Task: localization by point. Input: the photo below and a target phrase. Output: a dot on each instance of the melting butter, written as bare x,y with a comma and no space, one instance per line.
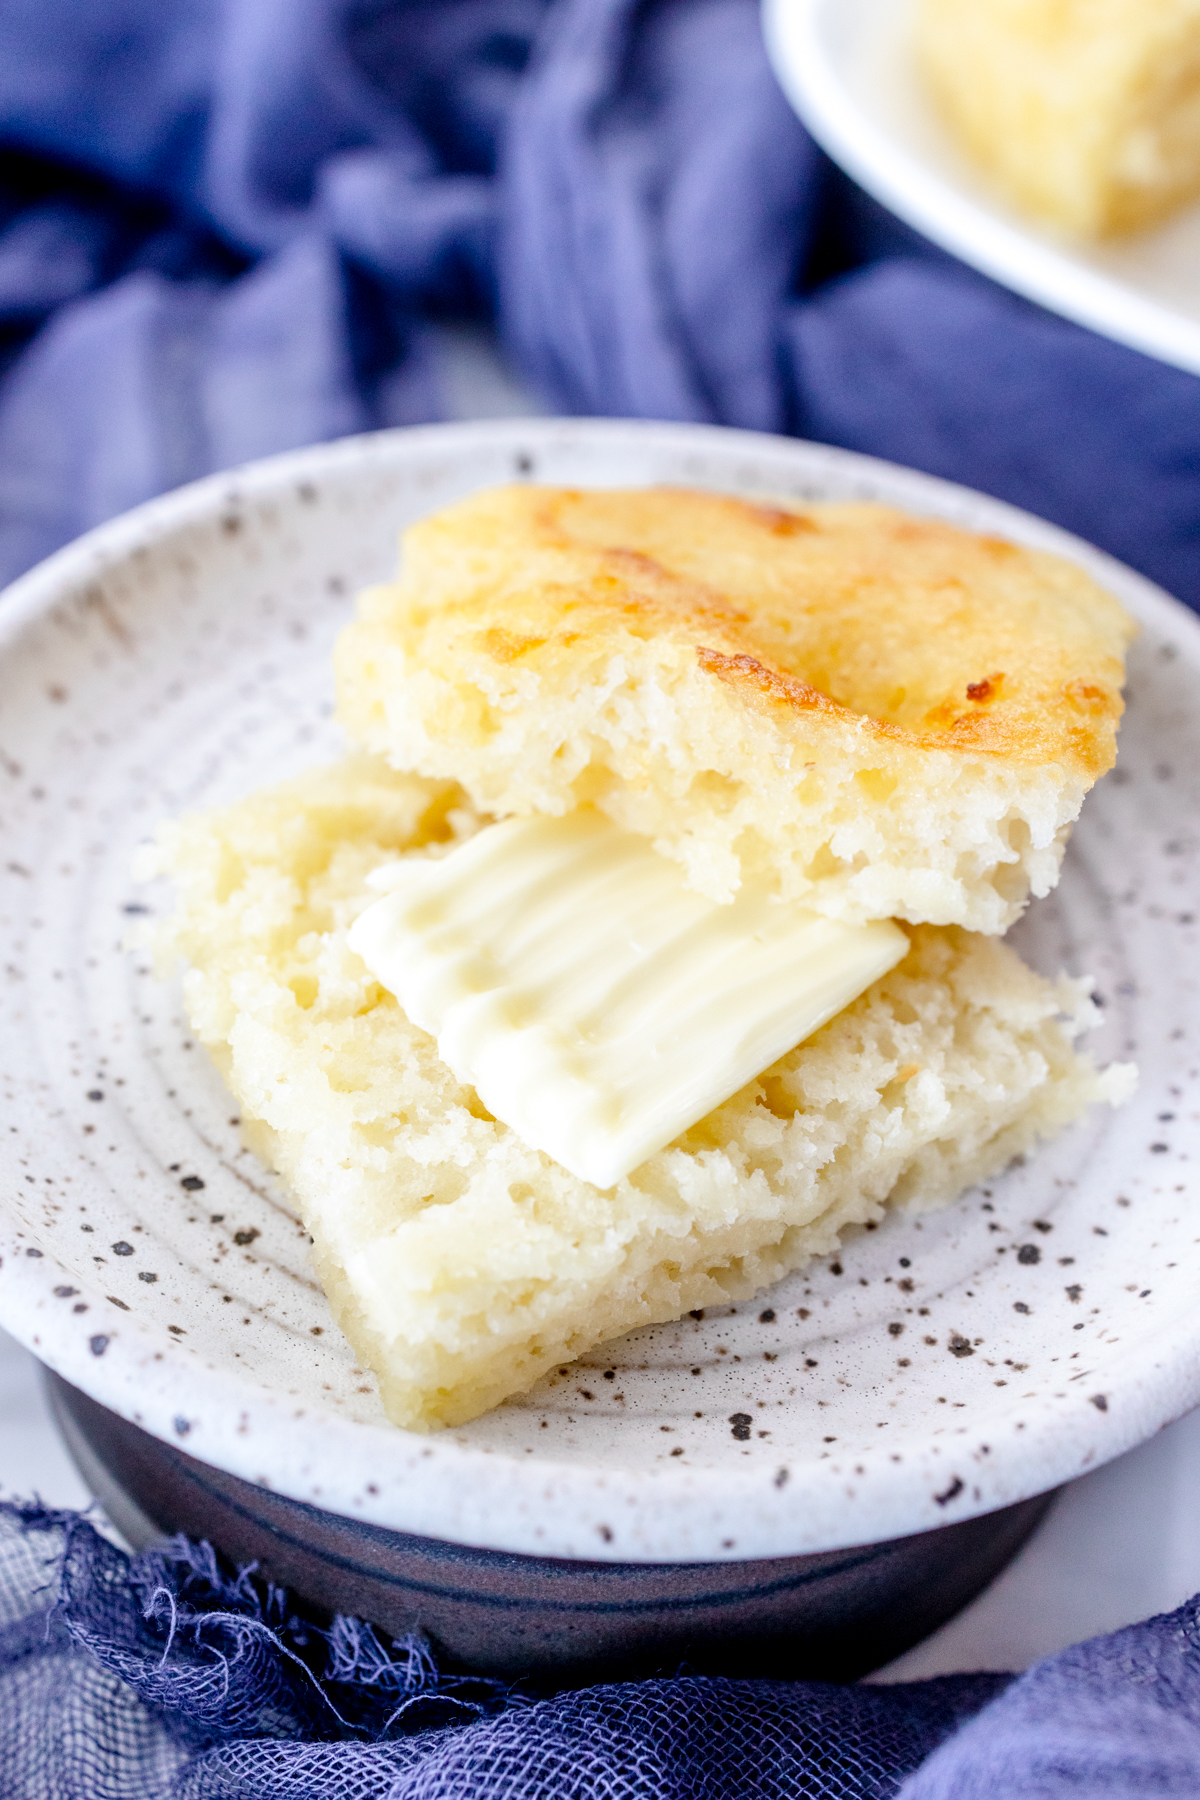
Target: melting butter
595,1004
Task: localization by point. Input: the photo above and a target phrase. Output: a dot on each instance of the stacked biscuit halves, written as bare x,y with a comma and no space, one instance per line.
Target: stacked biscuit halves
880,716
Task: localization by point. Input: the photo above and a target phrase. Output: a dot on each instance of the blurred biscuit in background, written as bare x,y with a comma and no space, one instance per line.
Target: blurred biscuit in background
1087,112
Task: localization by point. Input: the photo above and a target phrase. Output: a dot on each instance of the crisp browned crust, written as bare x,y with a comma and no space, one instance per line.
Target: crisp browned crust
925,634
882,715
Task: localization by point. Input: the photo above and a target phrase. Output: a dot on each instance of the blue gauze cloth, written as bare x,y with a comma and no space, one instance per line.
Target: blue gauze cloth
226,225
167,1678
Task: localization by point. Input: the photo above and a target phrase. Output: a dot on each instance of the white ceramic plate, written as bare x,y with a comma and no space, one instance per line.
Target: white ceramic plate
181,655
848,68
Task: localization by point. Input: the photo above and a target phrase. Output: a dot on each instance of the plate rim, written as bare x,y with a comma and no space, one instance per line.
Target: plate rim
986,237
587,1495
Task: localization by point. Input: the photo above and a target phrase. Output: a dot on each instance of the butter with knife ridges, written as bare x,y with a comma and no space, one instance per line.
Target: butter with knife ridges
595,1003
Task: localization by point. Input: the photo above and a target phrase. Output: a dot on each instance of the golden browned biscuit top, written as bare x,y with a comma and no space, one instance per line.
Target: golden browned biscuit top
883,716
934,636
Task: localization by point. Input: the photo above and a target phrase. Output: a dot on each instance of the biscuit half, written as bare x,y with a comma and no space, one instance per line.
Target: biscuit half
461,1264
883,716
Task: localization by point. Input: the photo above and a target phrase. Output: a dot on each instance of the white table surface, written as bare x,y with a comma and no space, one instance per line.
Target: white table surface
1118,1545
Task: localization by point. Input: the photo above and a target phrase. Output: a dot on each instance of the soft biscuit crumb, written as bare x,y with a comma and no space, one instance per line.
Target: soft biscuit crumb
883,716
463,1265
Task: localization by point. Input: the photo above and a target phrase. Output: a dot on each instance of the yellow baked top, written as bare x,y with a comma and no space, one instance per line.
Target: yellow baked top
896,717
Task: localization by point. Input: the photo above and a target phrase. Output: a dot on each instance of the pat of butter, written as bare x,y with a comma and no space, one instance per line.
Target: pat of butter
595,1004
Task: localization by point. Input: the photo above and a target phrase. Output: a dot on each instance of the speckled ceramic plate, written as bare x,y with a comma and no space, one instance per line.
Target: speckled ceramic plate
938,1368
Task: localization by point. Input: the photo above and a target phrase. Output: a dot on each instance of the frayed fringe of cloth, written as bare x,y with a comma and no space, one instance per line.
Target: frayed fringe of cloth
166,1677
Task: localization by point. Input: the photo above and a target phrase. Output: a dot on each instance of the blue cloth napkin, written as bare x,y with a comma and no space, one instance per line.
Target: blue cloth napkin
226,227
168,1678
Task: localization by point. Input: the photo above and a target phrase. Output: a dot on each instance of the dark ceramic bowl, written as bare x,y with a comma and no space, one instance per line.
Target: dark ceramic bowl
830,1617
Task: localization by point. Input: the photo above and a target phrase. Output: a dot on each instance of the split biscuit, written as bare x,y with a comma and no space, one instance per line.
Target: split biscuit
461,1264
883,716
